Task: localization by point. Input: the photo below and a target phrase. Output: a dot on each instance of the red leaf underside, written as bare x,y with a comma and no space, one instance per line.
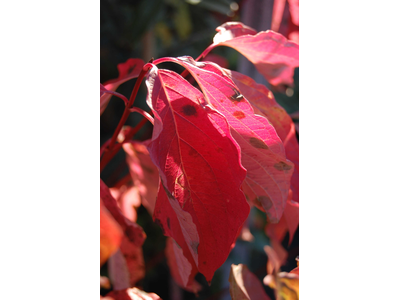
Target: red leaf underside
272,54
200,170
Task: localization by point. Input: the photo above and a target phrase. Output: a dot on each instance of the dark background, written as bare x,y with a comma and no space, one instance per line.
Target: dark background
159,28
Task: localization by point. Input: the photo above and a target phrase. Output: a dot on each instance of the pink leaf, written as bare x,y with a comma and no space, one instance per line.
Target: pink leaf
272,54
127,70
263,154
230,30
200,170
264,103
128,200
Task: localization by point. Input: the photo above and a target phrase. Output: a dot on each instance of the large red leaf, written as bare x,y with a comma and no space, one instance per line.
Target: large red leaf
263,154
200,170
127,70
272,54
264,103
244,285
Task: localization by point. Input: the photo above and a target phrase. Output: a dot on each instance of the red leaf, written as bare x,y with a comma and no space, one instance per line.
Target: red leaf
133,255
132,230
285,19
165,216
264,103
230,30
263,154
110,234
127,70
200,170
272,54
244,285
144,173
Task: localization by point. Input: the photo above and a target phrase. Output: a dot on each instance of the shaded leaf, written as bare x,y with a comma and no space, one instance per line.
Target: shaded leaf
144,173
110,234
180,267
165,216
132,230
263,154
245,285
127,70
199,167
272,54
118,271
133,255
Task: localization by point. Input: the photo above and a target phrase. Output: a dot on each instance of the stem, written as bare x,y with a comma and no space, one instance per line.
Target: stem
106,158
143,113
108,154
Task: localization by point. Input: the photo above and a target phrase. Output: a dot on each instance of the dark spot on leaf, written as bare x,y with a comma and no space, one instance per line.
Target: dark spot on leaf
282,166
257,143
239,114
204,262
131,68
192,152
158,222
236,97
265,202
189,110
168,223
194,245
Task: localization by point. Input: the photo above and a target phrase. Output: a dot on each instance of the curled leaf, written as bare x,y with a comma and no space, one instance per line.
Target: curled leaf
273,55
127,70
